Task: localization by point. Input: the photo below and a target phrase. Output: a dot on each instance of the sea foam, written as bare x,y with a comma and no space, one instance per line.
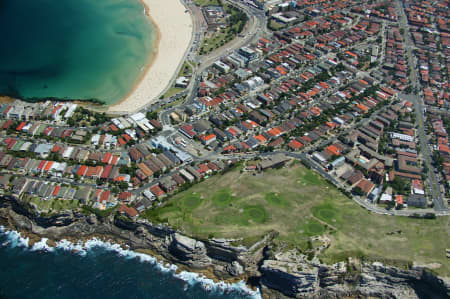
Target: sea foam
14,239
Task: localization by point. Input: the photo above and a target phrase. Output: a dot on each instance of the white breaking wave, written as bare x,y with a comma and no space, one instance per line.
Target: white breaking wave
42,246
14,239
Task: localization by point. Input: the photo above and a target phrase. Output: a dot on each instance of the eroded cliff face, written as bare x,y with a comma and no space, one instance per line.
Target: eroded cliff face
307,280
223,260
277,276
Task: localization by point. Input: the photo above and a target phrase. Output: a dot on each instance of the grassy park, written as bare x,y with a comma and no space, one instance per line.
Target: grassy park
297,203
207,2
186,69
236,21
171,92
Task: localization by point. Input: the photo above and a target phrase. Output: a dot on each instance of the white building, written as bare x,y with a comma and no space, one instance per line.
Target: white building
224,68
253,82
402,137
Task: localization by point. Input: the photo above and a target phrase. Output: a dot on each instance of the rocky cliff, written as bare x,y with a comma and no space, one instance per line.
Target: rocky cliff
276,276
311,280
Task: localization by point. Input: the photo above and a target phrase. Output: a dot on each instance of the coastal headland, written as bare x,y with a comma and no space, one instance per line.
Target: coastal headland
174,26
220,260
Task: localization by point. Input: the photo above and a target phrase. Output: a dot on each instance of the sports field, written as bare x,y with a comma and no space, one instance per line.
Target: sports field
298,203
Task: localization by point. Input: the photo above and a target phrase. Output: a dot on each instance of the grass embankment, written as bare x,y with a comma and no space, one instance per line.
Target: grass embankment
298,204
172,91
54,205
207,2
186,69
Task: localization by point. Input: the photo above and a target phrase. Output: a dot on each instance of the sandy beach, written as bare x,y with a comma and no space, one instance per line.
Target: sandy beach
175,30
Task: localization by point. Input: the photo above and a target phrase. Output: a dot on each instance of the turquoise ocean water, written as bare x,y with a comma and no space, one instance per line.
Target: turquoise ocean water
73,49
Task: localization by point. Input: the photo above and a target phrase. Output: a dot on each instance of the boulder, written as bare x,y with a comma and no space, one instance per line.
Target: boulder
188,251
235,269
91,219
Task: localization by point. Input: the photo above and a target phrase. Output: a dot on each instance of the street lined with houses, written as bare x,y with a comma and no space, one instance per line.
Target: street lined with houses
334,89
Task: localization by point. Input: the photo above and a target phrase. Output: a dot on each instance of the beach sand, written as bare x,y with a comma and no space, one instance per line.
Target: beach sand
175,30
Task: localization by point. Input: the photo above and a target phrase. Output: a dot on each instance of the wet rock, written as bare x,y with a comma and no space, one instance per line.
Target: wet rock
235,269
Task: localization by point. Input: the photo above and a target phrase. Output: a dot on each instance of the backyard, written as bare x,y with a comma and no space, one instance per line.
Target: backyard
54,205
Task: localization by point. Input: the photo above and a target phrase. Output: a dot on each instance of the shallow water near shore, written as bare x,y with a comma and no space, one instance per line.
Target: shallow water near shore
97,269
73,49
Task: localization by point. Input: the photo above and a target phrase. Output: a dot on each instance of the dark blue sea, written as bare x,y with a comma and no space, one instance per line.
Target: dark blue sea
97,270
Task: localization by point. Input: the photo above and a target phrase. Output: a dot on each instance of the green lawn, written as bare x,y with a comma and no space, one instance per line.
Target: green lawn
54,205
172,91
274,25
174,103
298,204
206,2
186,69
217,39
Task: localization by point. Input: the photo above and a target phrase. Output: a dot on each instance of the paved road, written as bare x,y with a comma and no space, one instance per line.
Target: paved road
254,29
361,201
419,109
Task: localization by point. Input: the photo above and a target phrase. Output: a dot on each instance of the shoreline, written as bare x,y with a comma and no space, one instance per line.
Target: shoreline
169,21
218,260
151,61
205,279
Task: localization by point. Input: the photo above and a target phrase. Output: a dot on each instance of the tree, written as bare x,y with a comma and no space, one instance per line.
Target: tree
123,185
400,185
358,191
152,115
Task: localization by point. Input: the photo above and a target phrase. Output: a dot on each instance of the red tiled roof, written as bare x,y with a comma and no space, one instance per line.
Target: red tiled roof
203,168
106,171
333,149
274,132
56,190
48,166
157,191
295,145
260,138
106,158
121,141
229,148
124,195
105,196
207,137
128,210
20,127
114,160
55,149
41,164
82,170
